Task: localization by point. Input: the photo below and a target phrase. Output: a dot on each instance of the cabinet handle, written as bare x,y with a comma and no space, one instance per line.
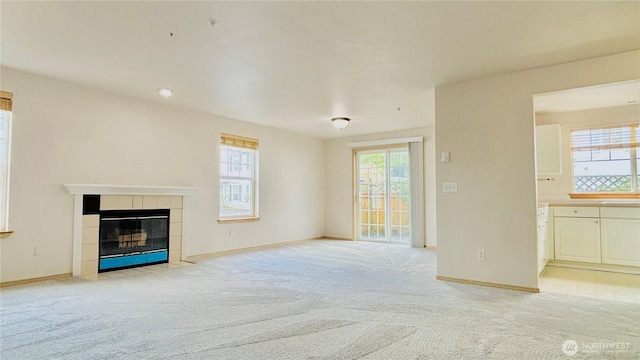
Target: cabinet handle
596,221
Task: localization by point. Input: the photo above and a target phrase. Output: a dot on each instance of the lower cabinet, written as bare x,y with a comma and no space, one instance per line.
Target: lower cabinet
577,239
603,235
621,241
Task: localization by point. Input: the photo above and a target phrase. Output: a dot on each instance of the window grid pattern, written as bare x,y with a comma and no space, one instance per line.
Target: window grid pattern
372,192
384,196
237,182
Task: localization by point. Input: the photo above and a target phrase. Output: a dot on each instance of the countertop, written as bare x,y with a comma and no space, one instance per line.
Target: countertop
610,203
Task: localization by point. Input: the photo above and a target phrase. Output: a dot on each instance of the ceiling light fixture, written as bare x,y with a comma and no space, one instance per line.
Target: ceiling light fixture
340,122
165,92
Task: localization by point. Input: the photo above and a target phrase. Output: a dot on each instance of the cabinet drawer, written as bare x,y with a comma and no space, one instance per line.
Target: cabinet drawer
620,213
577,211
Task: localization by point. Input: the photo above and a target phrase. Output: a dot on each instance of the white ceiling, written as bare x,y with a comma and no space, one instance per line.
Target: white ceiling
297,64
593,97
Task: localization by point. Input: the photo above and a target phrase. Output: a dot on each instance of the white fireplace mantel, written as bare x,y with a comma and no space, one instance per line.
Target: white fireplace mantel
100,189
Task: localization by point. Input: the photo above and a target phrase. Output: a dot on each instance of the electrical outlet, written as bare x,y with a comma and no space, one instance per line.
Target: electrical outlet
482,255
449,187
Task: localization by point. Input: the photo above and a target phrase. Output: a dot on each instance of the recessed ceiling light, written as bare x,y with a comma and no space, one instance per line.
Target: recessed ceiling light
165,92
213,22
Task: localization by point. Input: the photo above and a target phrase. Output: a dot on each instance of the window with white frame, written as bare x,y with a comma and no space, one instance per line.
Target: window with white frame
6,101
238,177
606,160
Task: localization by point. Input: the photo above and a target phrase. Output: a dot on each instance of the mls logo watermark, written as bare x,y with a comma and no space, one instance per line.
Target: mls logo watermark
570,347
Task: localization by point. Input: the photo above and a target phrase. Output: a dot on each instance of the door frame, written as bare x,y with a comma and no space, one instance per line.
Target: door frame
356,194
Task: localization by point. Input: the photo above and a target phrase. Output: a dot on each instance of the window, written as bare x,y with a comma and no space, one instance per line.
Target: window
238,178
6,101
606,160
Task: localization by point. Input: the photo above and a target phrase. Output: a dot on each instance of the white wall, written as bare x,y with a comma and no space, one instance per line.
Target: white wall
339,182
562,185
68,133
487,125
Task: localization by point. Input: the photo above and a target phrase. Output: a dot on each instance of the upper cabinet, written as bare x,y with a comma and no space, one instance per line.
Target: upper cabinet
549,149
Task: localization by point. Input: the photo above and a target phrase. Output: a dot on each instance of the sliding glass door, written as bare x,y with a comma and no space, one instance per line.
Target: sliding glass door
384,193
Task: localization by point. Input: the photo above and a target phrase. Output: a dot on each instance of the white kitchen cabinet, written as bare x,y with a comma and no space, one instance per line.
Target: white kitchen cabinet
620,235
577,211
606,235
577,238
549,238
549,149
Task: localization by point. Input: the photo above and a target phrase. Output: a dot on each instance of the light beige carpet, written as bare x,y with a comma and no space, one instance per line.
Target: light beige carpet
310,300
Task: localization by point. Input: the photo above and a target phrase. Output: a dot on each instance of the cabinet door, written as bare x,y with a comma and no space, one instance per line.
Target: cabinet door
542,258
549,242
621,242
548,149
577,239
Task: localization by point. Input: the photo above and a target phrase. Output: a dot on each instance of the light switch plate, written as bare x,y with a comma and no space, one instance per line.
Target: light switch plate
446,157
449,187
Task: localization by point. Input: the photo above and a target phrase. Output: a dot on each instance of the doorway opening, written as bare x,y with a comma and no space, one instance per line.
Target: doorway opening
383,208
587,178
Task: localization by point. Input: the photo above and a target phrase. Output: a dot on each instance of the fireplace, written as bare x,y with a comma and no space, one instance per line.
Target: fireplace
131,238
94,203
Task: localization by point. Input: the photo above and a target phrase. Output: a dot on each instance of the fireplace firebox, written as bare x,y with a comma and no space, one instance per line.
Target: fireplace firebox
131,238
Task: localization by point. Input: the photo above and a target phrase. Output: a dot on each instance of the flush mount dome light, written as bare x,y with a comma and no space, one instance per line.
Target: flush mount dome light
340,122
165,92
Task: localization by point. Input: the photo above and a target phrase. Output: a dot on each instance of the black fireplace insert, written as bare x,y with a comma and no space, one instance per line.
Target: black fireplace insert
131,238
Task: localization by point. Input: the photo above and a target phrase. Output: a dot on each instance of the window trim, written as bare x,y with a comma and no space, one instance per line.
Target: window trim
6,105
238,220
633,145
248,144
